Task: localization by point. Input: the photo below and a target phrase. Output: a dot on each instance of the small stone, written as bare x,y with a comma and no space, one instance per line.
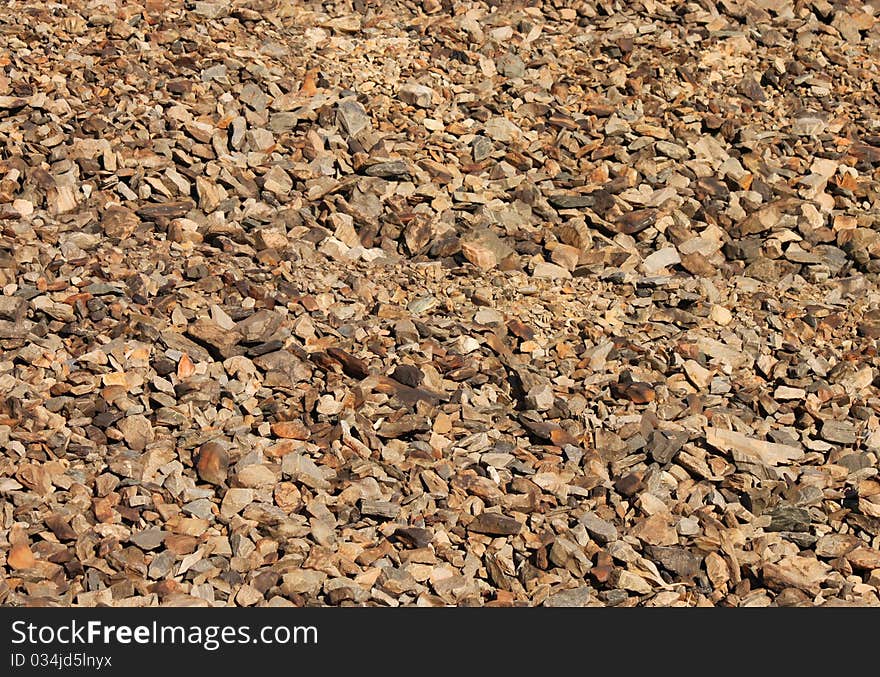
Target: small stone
750,88
277,181
414,537
744,448
789,518
541,397
550,271
384,509
213,463
21,557
13,308
803,573
511,66
602,530
863,558
352,117
302,582
839,432
566,256
787,393
629,484
138,431
485,249
576,597
494,524
677,560
235,500
416,95
836,545
808,126
720,315
697,374
697,264
214,337
290,430
636,392
502,130
255,476
148,539
661,260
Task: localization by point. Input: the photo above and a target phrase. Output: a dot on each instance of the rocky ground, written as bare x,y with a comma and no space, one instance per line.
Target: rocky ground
439,303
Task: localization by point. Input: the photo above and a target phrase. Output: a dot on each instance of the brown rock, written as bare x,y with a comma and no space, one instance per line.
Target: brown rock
213,462
494,524
292,430
21,557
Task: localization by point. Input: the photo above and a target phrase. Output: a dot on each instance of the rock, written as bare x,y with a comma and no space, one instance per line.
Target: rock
750,89
602,530
550,271
384,509
803,573
213,463
744,448
20,557
660,260
634,222
564,201
303,469
720,315
808,126
577,597
259,327
255,476
836,545
303,582
138,431
634,391
511,66
214,337
494,524
863,558
541,397
486,250
13,308
235,500
676,560
149,539
789,518
277,181
697,374
352,117
416,95
291,430
413,537
839,432
502,130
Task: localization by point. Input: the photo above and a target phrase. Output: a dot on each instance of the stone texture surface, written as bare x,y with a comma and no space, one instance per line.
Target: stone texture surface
439,303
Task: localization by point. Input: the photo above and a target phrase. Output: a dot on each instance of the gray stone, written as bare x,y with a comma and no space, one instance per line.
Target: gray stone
576,597
789,518
201,507
677,560
352,117
149,539
839,432
385,509
511,66
598,528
